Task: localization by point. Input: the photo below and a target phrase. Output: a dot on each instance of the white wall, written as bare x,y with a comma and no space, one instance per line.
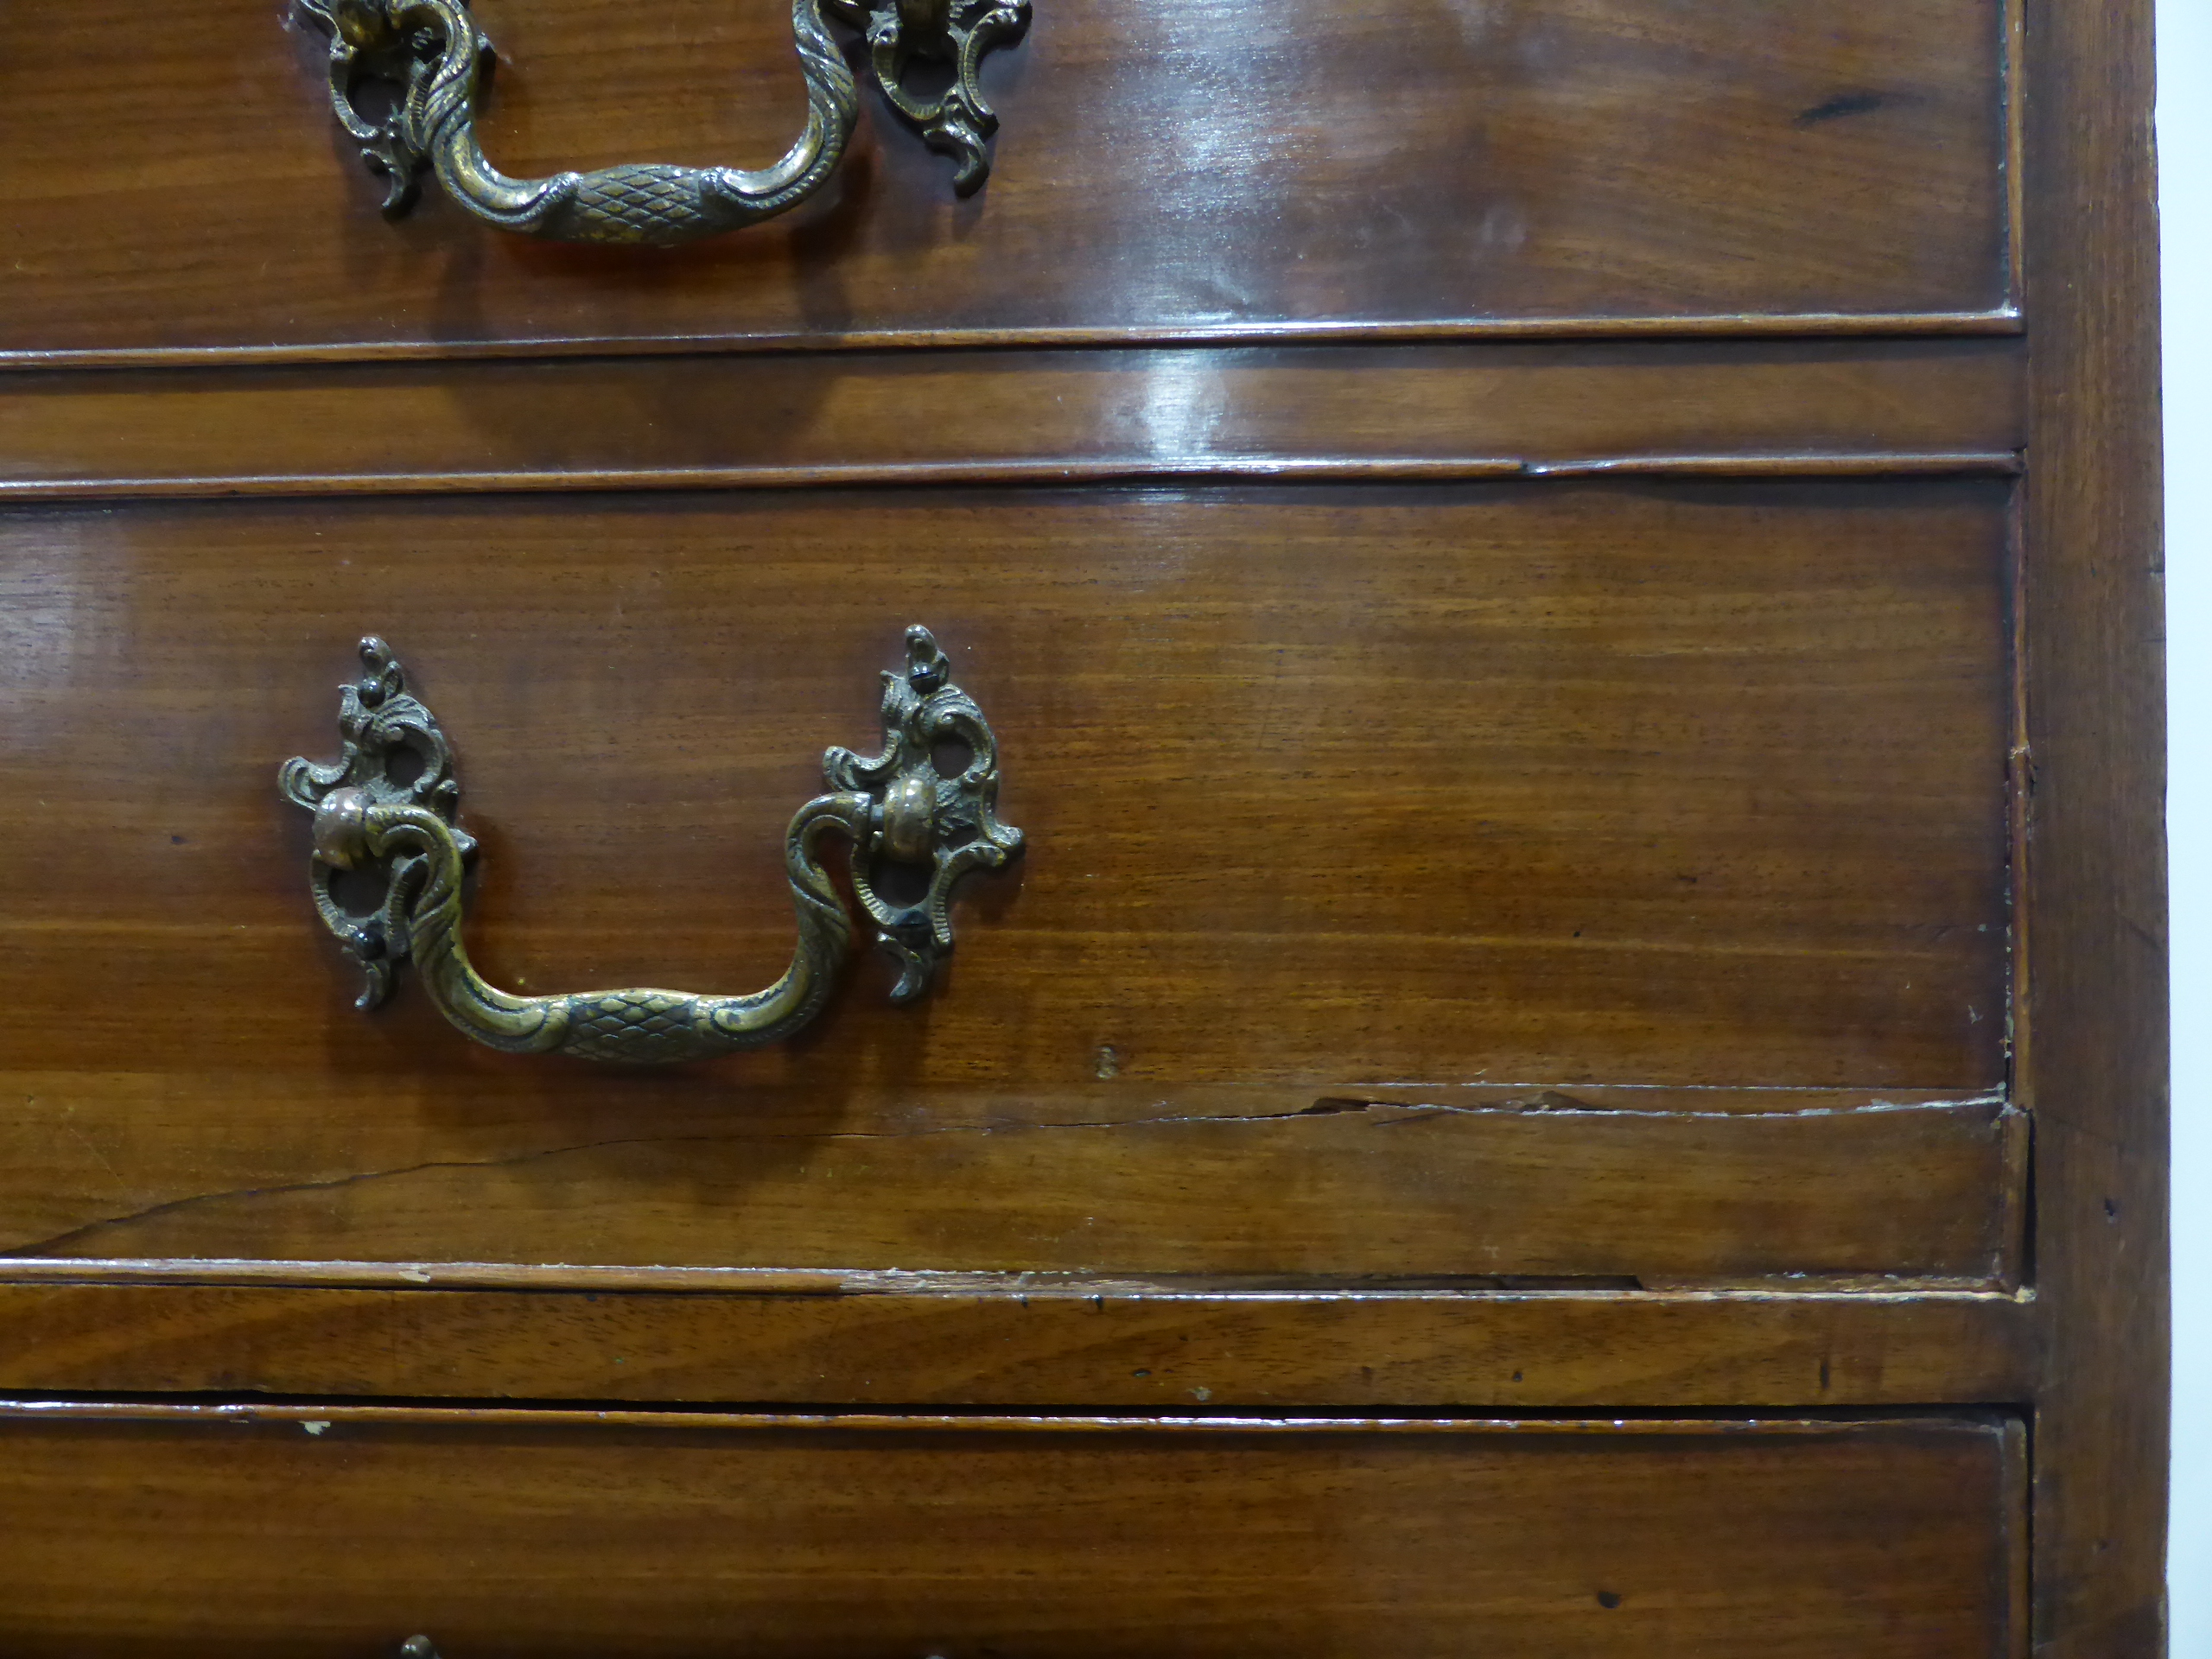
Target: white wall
2185,195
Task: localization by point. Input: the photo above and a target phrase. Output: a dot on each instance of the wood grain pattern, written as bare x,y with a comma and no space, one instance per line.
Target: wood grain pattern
1452,906
1386,1193
2094,961
1587,783
1590,783
847,417
1021,1346
1182,170
245,1533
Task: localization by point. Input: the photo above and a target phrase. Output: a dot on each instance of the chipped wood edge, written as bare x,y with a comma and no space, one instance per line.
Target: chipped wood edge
317,1418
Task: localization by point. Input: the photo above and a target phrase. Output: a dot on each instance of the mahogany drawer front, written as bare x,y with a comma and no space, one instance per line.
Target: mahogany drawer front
308,1531
1161,169
1685,802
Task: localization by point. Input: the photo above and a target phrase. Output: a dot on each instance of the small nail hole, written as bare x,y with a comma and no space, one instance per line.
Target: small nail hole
951,756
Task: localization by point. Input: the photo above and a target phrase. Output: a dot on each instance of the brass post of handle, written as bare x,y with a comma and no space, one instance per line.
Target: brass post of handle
389,803
437,60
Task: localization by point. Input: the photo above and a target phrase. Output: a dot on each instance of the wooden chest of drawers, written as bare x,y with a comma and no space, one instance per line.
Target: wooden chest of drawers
1548,697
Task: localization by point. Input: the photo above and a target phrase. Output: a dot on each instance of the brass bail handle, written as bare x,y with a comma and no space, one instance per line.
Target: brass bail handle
437,60
929,801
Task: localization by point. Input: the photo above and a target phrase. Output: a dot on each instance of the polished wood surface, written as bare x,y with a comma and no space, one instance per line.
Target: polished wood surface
1191,168
1611,783
895,1340
1655,1193
2093,965
1497,937
333,1531
1642,784
1799,409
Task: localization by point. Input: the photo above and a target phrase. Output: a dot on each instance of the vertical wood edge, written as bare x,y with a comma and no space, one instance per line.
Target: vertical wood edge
2095,990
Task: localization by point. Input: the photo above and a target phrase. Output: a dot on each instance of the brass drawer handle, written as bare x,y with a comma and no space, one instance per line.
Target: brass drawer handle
389,802
437,59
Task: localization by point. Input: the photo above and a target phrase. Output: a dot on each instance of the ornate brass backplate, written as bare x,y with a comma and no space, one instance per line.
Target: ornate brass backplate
387,806
956,32
436,60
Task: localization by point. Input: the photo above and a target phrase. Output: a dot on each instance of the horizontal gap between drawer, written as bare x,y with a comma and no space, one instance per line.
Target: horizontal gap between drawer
1958,463
2001,320
1007,1287
320,1414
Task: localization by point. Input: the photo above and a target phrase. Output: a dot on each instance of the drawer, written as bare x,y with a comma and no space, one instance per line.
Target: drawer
1597,882
312,1531
1163,170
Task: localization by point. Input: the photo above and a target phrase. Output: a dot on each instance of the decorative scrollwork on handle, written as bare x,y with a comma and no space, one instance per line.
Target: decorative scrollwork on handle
432,52
955,33
389,802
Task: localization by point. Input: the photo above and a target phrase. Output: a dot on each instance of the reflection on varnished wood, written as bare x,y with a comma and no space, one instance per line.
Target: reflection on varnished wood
1330,789
699,422
1662,784
1188,167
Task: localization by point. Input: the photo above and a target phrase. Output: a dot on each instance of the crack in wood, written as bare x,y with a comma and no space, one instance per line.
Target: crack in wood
1546,1103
